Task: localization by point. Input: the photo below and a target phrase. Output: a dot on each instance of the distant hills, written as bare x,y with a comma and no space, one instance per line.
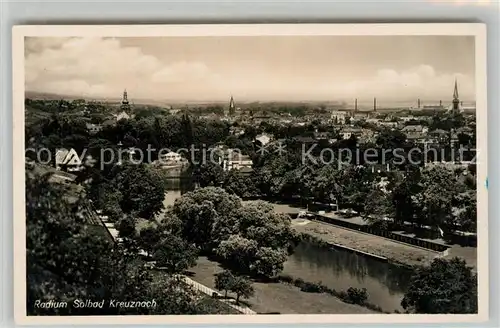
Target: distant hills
362,106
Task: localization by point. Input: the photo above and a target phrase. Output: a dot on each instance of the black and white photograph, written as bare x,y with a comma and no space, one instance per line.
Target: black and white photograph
275,171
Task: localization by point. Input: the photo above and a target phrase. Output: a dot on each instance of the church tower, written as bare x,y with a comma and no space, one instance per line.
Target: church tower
232,108
456,101
125,103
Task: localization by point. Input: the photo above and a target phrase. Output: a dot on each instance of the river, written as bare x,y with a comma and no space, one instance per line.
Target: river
340,269
335,268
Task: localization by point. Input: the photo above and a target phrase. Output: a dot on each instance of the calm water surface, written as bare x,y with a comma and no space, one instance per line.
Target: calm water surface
339,269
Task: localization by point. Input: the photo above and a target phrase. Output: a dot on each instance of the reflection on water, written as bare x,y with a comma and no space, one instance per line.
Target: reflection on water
178,182
339,269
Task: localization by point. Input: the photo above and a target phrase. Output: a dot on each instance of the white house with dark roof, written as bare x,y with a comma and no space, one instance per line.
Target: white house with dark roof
68,159
264,138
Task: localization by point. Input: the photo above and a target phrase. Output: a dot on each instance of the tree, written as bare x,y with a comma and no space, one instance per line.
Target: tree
201,210
142,192
262,240
404,189
210,174
435,199
252,238
148,239
377,206
240,184
175,254
356,184
446,286
126,227
224,281
242,287
69,257
391,139
268,261
238,252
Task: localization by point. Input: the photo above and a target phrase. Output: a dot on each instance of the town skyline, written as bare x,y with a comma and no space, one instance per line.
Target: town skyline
203,69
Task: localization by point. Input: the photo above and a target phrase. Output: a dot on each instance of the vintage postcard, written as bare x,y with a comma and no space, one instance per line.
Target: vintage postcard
289,173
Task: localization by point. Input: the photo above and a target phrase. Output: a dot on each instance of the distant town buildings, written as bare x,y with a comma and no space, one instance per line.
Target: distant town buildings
236,131
231,159
339,117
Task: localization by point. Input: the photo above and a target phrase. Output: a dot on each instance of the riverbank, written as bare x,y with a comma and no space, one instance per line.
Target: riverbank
365,243
280,297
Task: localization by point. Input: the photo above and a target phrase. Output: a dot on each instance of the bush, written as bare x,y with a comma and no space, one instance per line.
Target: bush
352,296
287,279
356,295
310,287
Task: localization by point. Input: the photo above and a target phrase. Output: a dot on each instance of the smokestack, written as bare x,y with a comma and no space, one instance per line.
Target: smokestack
356,105
440,103
374,104
418,103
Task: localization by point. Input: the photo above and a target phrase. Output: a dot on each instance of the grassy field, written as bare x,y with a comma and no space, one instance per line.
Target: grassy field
397,252
279,297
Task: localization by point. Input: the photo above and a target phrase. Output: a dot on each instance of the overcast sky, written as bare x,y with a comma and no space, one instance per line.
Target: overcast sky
391,68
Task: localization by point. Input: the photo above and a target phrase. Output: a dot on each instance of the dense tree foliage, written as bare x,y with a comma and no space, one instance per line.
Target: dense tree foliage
446,286
174,254
71,257
249,237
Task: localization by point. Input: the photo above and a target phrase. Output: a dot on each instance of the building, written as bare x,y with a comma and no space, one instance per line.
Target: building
350,131
236,131
93,128
322,135
416,137
388,124
237,161
264,138
125,106
457,105
232,107
456,100
231,159
415,129
339,117
68,159
122,116
171,157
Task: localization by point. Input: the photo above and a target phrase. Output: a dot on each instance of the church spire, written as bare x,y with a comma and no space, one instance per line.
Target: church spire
231,106
125,97
125,103
456,101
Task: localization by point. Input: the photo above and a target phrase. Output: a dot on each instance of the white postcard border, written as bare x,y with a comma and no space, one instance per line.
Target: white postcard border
20,32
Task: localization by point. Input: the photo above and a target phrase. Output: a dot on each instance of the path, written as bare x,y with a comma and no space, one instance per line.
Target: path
279,297
377,245
210,292
196,285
